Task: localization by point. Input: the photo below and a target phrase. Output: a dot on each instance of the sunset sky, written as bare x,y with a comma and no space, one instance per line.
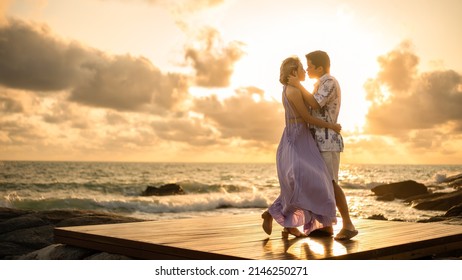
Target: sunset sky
197,80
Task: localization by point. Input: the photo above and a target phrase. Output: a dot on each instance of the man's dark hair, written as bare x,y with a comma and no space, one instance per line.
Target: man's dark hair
319,58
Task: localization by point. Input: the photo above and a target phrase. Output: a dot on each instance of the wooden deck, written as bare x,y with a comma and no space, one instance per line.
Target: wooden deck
241,237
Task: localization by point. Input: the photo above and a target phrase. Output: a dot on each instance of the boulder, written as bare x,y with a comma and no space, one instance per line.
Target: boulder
95,220
9,249
401,190
9,213
168,189
386,197
379,217
27,234
442,203
456,184
57,252
454,211
452,178
107,256
34,237
25,221
423,196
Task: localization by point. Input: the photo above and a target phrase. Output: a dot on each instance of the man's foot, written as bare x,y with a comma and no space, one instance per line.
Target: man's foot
267,222
322,232
346,234
293,231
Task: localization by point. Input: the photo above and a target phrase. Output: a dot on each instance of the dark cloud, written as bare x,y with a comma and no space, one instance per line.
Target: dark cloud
33,59
416,110
213,61
20,133
191,131
115,118
66,115
240,116
129,84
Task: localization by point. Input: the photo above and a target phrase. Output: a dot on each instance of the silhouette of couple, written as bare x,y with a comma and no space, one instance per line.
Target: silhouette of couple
308,155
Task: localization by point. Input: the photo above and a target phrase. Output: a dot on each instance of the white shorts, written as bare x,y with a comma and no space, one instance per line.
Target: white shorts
332,160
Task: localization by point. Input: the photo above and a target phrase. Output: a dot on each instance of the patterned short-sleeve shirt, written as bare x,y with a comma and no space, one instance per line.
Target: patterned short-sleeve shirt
328,95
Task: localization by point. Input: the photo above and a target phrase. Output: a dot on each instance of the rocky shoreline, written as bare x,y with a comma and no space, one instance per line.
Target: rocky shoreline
423,197
28,234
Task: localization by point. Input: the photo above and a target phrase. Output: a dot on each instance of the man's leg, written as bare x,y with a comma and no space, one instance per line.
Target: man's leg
332,160
342,206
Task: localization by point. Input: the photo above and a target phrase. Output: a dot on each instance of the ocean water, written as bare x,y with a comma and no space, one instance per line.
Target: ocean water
211,188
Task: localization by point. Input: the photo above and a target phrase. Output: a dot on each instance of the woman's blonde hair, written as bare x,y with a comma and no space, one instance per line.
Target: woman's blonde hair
288,66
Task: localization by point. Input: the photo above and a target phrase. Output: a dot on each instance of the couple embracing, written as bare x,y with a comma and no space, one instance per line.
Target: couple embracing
308,155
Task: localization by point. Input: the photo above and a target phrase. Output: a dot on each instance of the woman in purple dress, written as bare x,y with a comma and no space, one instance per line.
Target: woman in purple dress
307,195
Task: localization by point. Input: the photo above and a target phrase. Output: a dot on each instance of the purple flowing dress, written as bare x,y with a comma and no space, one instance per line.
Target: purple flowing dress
307,195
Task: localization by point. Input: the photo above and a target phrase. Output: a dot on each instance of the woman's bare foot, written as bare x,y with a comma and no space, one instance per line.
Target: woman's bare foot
293,231
267,222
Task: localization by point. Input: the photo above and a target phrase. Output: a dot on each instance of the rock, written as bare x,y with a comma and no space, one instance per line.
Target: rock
29,234
454,211
380,217
25,221
67,252
95,220
168,189
445,220
386,197
9,249
452,178
401,190
35,237
9,213
107,256
456,184
442,203
57,252
423,196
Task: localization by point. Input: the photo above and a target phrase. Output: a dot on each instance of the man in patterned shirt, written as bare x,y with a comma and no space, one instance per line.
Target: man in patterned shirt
325,104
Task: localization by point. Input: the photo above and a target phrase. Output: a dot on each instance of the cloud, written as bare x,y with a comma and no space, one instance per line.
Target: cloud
4,4
241,116
20,133
421,109
33,59
212,60
9,105
127,83
65,115
192,131
130,104
191,6
398,68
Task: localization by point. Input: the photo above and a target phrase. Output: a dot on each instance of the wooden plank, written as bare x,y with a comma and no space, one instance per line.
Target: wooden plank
241,237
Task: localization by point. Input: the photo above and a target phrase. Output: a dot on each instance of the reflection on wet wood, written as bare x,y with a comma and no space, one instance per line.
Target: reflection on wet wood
241,237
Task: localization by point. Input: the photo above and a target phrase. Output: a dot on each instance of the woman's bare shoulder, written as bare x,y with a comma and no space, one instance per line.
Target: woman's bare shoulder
292,91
